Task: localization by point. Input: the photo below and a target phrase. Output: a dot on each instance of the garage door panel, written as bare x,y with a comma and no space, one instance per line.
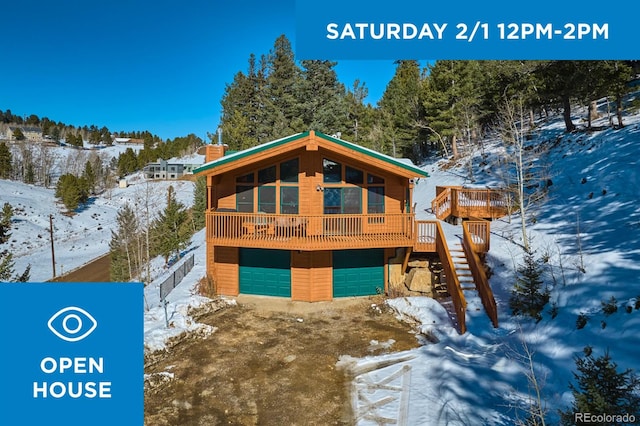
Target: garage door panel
358,272
265,272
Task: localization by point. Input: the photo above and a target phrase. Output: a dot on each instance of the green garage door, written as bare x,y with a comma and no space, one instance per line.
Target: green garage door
358,272
265,272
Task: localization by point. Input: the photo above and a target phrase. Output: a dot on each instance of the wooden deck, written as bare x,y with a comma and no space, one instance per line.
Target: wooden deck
345,231
310,232
459,202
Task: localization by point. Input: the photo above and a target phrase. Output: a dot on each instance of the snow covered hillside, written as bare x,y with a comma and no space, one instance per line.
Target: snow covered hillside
82,237
588,231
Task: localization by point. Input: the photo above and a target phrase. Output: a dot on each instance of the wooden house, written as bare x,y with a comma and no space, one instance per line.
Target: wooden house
309,217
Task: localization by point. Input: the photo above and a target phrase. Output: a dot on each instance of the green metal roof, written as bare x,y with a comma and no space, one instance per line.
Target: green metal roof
265,146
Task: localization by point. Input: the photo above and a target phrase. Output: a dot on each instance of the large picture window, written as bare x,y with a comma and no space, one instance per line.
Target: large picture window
375,199
267,199
244,199
272,189
343,192
289,199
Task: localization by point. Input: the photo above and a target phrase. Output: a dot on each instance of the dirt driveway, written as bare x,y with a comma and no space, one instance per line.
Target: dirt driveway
271,362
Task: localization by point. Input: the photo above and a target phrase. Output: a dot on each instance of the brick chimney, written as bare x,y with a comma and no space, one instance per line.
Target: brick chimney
213,152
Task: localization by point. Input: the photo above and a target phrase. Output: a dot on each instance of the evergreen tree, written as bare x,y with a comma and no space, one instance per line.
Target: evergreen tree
72,191
6,258
90,177
283,81
5,222
122,247
17,133
199,202
29,174
127,162
402,109
6,160
561,82
601,389
528,297
452,101
359,117
321,98
171,229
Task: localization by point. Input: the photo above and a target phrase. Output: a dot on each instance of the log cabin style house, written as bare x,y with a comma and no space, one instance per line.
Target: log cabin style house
308,217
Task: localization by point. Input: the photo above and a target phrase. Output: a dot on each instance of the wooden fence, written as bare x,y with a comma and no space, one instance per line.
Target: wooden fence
471,250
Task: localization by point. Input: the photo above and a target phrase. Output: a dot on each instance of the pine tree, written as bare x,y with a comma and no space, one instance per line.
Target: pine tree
601,389
528,297
403,110
6,258
452,100
72,191
29,174
199,202
5,222
6,160
90,176
170,228
321,98
122,247
283,81
17,133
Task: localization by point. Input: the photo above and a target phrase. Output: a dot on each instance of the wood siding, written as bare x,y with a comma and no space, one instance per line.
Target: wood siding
311,276
226,270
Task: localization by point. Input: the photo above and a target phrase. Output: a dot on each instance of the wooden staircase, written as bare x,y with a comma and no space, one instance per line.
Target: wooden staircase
462,268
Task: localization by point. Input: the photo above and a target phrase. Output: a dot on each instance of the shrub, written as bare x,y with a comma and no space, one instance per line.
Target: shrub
610,307
581,321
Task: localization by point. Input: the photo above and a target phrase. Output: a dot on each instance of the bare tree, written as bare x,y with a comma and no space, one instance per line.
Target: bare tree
525,175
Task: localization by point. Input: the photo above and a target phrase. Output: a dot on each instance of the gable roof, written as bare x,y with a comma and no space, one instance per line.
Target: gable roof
401,166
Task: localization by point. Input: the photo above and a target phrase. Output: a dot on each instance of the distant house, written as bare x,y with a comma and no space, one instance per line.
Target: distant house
129,141
31,133
163,169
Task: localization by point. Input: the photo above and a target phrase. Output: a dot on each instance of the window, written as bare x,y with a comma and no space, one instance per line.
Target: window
354,176
248,178
351,200
267,175
289,199
345,200
267,199
289,171
332,171
375,199
372,179
332,200
244,199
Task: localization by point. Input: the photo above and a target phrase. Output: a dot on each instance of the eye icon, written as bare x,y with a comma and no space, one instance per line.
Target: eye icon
72,324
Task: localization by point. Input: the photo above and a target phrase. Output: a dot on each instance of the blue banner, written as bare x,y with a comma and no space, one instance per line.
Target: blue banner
429,30
72,354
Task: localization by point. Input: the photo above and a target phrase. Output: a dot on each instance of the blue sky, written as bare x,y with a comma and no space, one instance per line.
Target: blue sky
160,66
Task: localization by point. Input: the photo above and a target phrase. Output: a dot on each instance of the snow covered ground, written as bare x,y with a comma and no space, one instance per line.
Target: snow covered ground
589,229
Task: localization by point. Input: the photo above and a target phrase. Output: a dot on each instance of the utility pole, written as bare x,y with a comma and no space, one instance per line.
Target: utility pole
53,253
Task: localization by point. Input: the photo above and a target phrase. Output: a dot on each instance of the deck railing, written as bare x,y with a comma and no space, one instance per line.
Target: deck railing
471,250
425,236
466,203
479,234
310,232
453,283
